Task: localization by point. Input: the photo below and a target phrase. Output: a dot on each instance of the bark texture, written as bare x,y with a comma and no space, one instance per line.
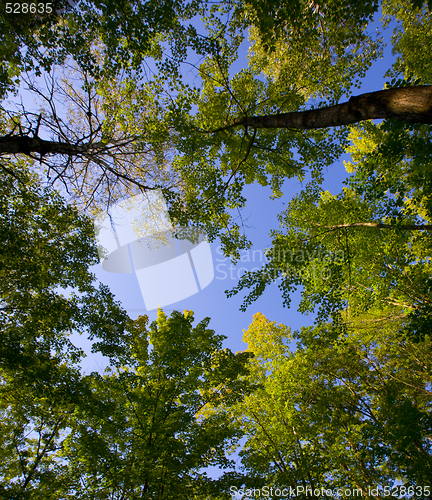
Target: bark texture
410,104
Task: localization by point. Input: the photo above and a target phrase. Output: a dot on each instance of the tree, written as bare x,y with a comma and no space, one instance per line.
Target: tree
367,247
411,104
258,125
47,291
132,131
114,48
110,136
331,38
350,408
147,418
35,417
345,408
96,141
112,154
140,430
130,32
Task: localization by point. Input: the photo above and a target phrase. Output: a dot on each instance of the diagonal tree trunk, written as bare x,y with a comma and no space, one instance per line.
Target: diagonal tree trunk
409,227
410,104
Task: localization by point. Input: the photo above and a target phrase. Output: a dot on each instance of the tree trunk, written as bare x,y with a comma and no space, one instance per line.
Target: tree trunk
409,227
15,144
410,104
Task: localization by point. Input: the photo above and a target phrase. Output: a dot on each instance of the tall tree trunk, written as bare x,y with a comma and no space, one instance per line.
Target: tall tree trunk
411,104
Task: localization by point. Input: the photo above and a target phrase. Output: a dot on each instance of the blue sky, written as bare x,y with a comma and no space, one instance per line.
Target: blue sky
260,216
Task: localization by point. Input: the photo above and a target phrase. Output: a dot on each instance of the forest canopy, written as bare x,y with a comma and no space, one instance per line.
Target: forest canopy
136,96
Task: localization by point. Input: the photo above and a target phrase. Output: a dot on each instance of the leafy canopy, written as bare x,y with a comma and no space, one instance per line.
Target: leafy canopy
349,408
140,430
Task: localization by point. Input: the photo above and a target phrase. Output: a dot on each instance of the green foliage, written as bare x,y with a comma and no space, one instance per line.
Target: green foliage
129,32
150,435
318,65
47,293
35,415
274,18
370,245
411,40
349,408
141,430
46,251
327,250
